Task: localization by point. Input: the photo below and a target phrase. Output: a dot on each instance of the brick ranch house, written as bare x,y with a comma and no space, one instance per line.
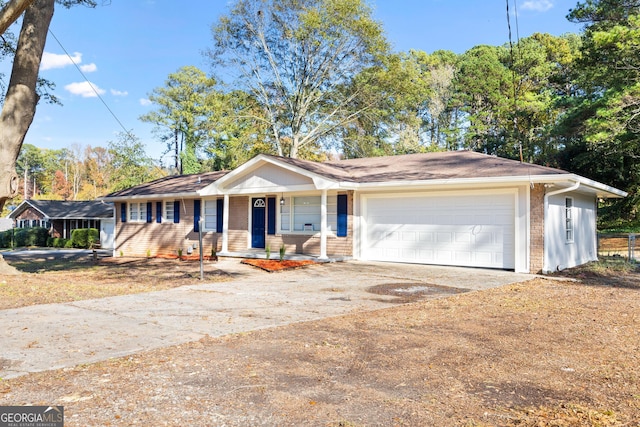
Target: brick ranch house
452,208
62,217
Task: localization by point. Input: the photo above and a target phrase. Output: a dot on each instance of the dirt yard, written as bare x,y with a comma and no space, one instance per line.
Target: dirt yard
548,352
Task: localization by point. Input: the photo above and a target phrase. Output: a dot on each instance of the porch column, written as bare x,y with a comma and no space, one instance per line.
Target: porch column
323,225
225,224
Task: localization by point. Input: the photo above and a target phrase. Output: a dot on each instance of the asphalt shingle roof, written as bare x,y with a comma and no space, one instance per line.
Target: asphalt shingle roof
58,209
175,184
409,167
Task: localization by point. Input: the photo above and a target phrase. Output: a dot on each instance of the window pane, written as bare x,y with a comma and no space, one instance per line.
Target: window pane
210,214
133,211
168,211
143,211
306,213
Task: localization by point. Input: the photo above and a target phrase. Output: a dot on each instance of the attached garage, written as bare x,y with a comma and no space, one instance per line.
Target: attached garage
463,229
456,208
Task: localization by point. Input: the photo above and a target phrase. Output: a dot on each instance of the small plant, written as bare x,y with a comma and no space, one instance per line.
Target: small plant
180,253
148,253
121,253
283,249
268,251
214,255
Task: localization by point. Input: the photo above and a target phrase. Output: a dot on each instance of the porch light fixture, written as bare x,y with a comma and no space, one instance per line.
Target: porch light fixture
281,200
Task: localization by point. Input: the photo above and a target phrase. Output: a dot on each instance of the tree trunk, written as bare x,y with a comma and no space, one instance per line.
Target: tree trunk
20,102
11,12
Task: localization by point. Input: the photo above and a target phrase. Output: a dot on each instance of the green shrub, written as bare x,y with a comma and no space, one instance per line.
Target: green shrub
56,242
79,238
36,236
85,238
6,239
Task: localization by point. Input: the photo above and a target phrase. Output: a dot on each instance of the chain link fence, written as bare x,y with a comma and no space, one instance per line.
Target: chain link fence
621,245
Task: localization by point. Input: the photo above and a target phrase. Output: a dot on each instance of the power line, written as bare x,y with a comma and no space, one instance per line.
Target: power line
513,72
126,131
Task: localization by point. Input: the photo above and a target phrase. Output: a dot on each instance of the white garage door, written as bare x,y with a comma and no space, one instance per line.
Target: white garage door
464,230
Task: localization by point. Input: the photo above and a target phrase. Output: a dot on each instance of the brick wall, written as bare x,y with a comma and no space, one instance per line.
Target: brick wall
142,238
138,238
536,251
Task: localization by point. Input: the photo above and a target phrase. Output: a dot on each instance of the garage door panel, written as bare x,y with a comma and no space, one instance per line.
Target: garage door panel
467,230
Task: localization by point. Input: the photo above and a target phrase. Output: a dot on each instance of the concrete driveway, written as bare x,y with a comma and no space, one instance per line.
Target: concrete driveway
53,336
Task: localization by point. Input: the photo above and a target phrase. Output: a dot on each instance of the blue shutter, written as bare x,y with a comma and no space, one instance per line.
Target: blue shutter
149,212
123,212
196,215
158,212
219,214
271,215
342,215
176,211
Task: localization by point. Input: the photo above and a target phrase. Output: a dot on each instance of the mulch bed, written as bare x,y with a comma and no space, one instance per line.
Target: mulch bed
187,257
276,265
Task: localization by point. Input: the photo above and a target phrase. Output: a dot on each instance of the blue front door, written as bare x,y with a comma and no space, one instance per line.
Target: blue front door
258,214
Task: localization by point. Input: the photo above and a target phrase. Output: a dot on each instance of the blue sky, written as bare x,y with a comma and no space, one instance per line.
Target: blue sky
126,48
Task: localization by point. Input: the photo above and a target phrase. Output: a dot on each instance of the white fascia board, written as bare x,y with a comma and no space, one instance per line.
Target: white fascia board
602,189
320,182
21,209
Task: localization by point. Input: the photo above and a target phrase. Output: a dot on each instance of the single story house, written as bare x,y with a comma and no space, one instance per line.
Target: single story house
456,208
62,217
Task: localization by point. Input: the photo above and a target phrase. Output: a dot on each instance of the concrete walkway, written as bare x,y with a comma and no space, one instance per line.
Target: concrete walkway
52,336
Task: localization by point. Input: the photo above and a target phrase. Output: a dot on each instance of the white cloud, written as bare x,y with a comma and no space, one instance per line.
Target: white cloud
88,68
115,92
144,102
84,89
54,60
537,5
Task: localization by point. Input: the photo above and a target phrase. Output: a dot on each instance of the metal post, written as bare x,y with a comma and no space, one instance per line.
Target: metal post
200,224
632,247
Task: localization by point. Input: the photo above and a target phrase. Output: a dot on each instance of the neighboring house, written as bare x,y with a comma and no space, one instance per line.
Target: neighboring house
453,208
62,217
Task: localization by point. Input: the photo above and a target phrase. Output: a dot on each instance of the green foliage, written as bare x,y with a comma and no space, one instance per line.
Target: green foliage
56,242
297,60
27,237
130,163
283,250
6,239
84,238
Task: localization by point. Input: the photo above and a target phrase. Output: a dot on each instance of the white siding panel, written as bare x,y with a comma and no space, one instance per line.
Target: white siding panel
465,230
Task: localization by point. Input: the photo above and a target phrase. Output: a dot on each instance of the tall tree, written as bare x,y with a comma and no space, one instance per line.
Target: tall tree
182,114
297,58
604,125
131,165
21,98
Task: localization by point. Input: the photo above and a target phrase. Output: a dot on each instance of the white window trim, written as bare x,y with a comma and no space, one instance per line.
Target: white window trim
167,206
332,212
569,220
140,216
203,214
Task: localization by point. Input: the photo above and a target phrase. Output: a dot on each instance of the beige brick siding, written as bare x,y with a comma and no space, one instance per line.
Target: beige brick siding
136,238
238,223
536,257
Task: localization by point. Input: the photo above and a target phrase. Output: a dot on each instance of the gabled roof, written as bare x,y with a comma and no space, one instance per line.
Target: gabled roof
459,168
58,209
422,167
174,186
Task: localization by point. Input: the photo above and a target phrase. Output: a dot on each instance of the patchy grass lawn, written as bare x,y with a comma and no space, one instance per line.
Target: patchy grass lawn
46,280
548,352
